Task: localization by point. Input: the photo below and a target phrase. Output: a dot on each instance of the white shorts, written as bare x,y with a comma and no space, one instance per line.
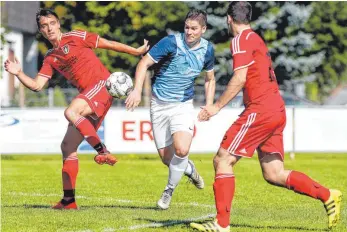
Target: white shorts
170,117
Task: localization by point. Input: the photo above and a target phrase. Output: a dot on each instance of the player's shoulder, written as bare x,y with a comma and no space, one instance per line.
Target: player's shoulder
169,41
49,52
75,34
246,36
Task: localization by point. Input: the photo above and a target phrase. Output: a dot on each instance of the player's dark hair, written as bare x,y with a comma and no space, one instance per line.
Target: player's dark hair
45,13
240,12
198,15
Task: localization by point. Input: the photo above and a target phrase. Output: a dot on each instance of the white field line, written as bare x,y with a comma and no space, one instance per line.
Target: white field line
107,198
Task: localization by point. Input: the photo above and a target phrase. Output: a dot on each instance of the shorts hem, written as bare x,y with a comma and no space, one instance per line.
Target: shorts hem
91,105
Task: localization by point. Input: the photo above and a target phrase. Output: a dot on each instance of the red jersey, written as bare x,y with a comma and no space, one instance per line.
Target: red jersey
75,60
260,92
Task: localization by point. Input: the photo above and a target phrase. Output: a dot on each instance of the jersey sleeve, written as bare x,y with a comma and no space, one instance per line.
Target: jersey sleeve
46,69
90,39
242,51
165,47
209,58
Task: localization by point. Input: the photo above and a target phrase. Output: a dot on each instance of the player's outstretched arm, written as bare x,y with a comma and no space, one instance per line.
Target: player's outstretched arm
235,85
210,87
34,84
119,47
134,98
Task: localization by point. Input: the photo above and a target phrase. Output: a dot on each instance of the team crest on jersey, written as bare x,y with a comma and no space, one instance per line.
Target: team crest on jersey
65,49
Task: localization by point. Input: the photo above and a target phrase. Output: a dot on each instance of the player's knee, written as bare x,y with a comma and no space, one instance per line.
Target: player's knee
67,148
68,113
181,151
271,177
165,161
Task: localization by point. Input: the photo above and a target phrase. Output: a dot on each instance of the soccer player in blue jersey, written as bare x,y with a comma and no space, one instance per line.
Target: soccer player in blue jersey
178,60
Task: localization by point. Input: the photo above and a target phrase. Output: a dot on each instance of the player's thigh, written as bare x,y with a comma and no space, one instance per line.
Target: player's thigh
223,161
182,127
77,108
71,140
97,99
97,121
160,126
273,168
273,145
247,133
181,142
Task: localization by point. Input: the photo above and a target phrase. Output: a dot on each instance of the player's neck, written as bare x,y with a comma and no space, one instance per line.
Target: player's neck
193,44
56,42
239,28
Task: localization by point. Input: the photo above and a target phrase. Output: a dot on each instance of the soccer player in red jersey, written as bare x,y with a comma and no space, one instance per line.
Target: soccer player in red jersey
72,55
260,126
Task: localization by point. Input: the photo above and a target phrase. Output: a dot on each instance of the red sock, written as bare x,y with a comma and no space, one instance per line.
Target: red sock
88,131
224,189
69,173
303,184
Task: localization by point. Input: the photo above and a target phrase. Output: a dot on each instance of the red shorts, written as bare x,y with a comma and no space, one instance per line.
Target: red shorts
262,131
98,99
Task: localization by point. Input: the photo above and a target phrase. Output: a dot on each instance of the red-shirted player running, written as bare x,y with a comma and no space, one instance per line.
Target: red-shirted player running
73,57
260,126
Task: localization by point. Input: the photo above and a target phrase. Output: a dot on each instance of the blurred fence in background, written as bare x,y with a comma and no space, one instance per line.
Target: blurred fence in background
57,97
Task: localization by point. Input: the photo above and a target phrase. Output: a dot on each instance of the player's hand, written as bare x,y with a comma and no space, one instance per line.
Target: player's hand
13,67
133,100
207,112
144,48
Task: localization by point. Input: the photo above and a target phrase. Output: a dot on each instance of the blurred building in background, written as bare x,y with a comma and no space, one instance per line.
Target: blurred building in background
18,27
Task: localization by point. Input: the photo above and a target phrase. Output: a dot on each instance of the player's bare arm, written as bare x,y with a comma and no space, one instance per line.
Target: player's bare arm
134,98
119,47
210,87
235,85
34,84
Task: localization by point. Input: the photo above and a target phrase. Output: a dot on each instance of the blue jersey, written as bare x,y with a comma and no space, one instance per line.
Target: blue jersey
177,66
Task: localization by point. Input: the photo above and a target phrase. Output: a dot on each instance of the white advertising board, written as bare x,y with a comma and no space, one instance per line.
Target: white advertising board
40,131
131,132
32,131
321,130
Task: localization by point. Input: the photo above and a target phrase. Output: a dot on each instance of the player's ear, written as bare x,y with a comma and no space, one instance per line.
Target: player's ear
204,29
229,19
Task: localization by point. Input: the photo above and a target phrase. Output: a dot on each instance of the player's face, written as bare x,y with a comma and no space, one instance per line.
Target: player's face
193,31
50,27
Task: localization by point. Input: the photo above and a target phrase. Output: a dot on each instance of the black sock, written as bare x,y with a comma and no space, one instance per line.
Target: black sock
69,193
65,202
99,147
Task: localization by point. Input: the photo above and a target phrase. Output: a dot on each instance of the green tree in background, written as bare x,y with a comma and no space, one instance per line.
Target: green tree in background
328,25
125,22
307,40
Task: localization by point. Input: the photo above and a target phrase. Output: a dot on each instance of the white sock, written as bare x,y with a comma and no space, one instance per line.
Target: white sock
176,170
189,169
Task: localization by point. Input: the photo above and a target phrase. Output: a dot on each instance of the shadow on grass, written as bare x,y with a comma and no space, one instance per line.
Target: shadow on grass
168,223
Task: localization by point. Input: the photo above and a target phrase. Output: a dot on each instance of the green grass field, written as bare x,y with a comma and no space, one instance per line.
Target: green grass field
123,197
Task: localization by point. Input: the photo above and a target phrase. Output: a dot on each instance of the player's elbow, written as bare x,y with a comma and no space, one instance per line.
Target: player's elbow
36,88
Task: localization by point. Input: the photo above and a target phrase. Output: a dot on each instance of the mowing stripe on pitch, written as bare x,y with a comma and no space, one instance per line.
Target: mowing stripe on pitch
107,198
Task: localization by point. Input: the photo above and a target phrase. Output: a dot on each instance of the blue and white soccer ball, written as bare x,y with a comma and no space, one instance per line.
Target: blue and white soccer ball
119,85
